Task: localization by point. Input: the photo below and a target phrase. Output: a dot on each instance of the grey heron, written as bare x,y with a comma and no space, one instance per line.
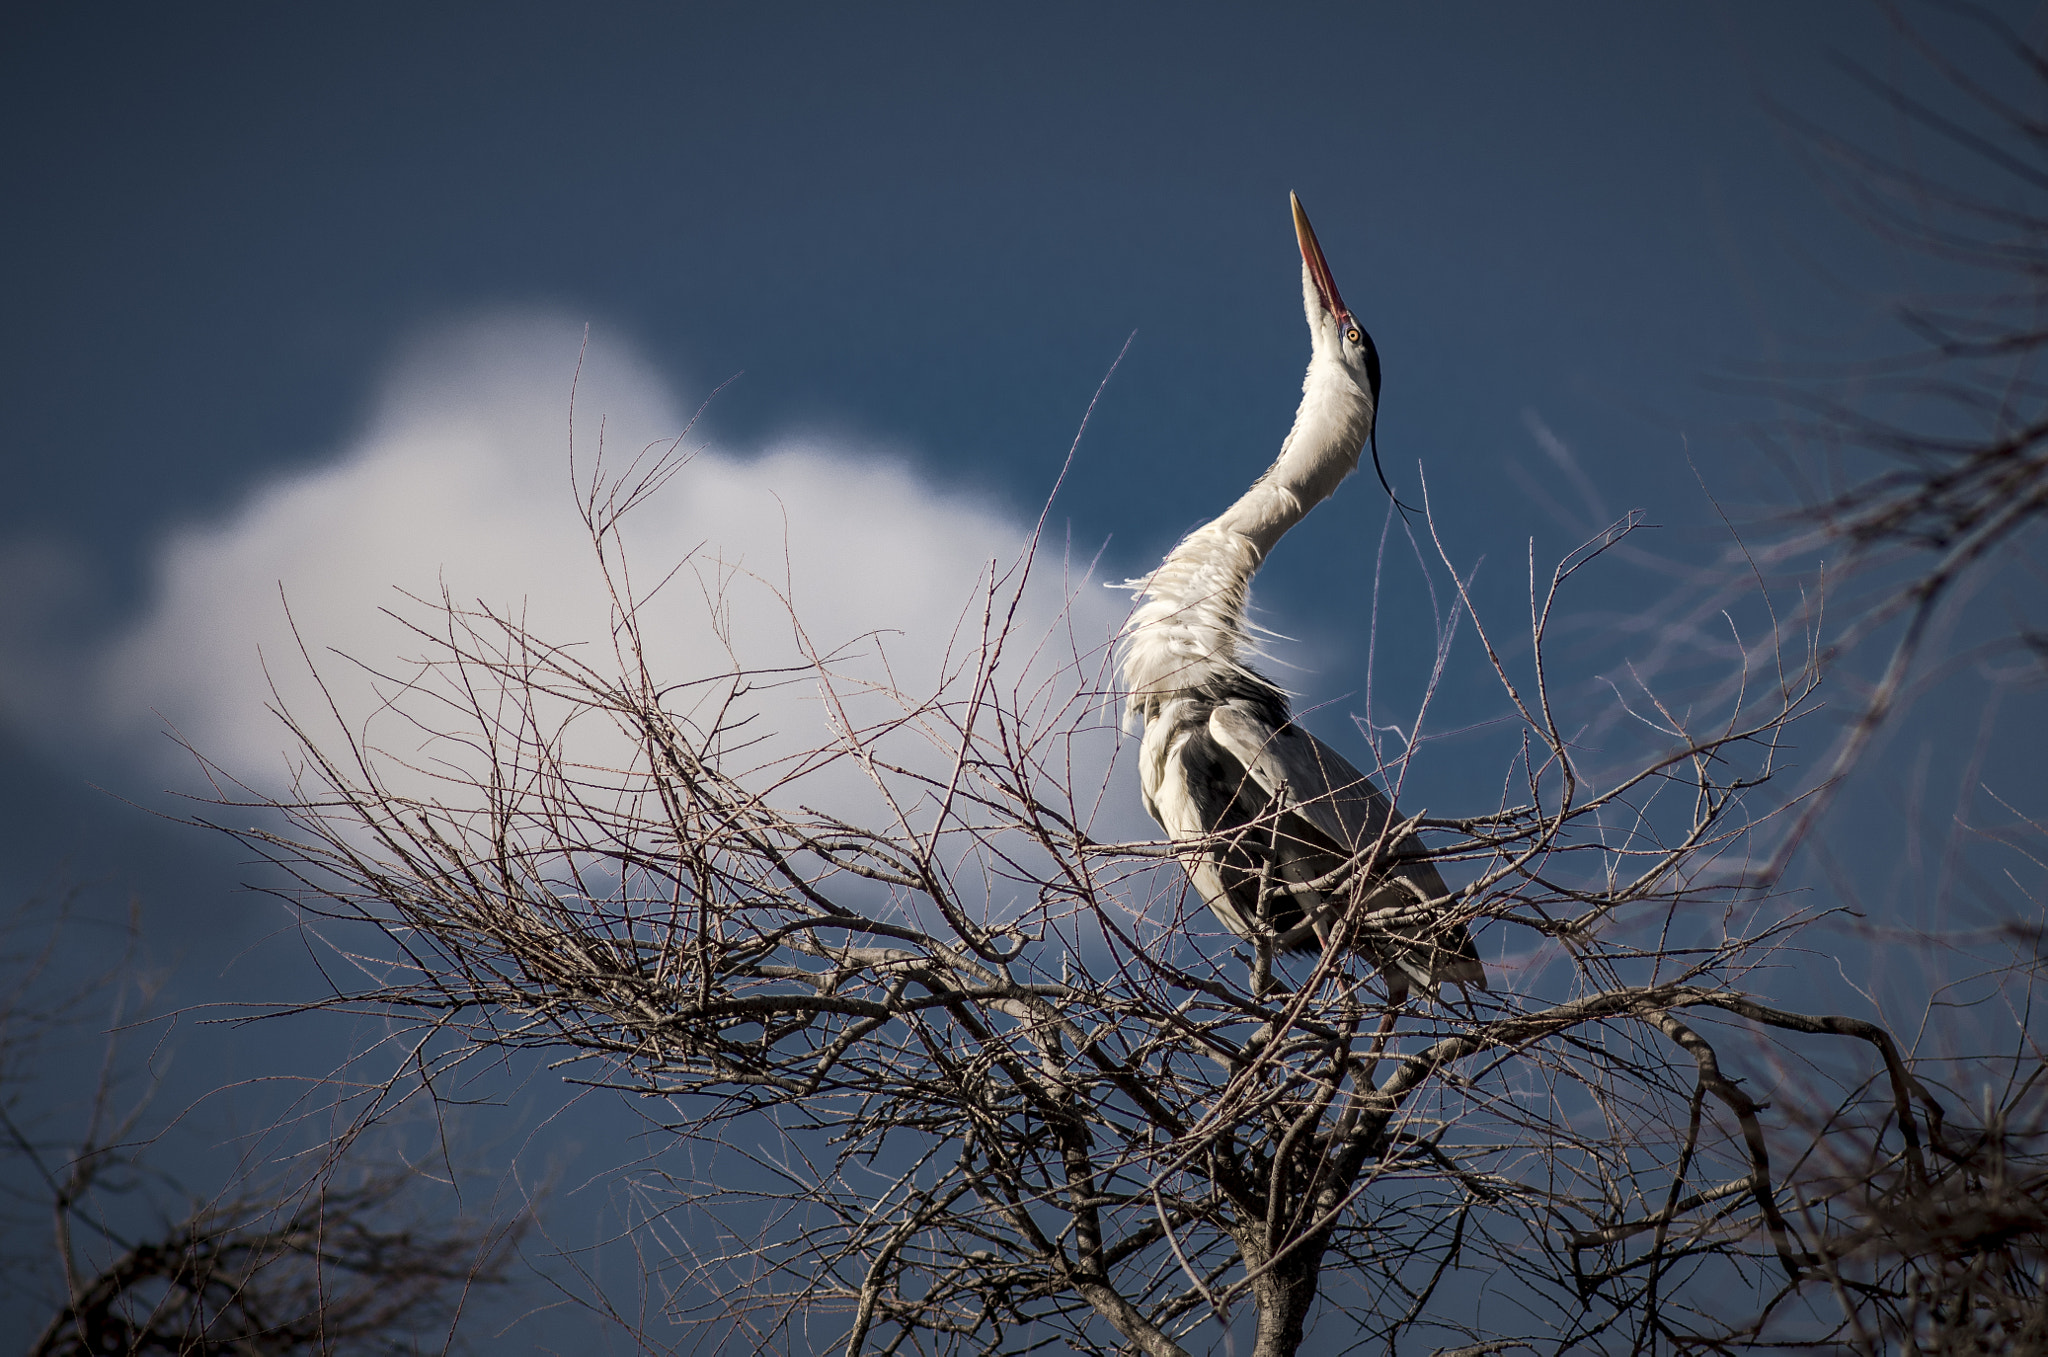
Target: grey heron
1272,816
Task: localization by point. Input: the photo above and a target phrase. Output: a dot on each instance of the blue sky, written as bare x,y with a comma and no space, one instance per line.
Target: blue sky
924,234
253,249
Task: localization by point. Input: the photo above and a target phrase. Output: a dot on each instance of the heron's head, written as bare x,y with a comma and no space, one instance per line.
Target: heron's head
1336,333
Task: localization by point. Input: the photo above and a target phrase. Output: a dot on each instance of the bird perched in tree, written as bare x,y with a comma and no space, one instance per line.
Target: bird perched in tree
1273,816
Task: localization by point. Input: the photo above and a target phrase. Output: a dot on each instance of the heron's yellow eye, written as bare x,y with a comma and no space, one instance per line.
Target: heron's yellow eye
1352,334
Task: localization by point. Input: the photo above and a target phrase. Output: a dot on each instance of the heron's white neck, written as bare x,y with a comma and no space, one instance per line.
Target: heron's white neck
1189,631
1321,449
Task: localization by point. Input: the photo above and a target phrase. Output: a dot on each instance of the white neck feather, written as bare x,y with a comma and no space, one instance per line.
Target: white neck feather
1190,628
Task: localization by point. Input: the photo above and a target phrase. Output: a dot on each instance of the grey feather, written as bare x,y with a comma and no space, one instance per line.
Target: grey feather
1344,817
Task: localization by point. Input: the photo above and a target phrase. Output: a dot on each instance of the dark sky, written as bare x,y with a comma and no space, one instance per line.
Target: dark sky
920,230
934,227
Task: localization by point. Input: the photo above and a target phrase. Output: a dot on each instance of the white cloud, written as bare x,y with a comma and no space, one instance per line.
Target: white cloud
460,479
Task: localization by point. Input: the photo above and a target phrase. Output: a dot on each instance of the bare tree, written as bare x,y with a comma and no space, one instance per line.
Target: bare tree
341,1256
1921,473
283,1269
1925,469
943,1070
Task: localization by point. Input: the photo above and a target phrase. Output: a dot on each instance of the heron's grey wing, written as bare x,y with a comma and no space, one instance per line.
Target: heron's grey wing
1327,791
1314,780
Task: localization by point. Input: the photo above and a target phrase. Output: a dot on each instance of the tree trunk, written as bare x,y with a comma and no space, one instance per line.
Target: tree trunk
1284,1297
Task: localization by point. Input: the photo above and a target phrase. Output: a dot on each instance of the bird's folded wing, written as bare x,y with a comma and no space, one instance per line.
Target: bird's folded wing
1303,774
1319,784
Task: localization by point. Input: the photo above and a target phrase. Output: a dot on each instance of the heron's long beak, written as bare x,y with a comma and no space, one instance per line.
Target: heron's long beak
1318,267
